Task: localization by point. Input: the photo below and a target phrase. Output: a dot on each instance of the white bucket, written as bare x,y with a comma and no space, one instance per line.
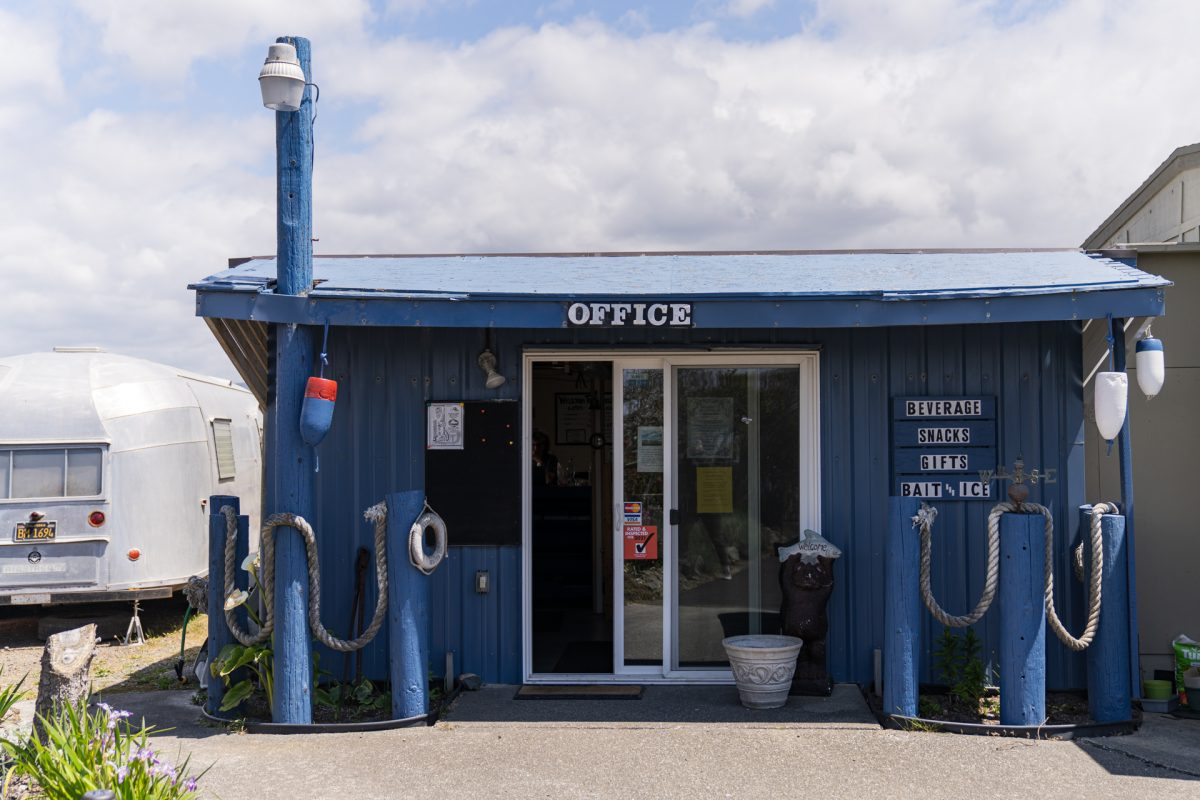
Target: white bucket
763,667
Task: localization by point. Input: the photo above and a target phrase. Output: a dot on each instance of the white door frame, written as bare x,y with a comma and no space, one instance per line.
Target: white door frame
808,362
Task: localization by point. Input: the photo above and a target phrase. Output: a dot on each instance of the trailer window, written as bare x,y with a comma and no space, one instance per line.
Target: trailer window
223,439
51,472
83,472
38,473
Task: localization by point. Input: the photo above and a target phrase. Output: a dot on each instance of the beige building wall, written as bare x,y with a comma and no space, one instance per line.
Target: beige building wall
1165,439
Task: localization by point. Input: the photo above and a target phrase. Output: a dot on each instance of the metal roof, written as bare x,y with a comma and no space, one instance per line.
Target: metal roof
836,289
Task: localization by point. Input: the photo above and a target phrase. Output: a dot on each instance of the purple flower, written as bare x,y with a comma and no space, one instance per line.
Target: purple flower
190,785
105,707
122,772
144,754
163,769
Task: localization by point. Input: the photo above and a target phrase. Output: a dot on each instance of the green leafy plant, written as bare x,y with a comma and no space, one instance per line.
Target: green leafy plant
972,676
956,658
946,657
352,700
928,707
11,695
257,660
81,750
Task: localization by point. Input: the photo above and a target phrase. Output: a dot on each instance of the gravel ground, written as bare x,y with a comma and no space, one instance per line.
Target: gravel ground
116,668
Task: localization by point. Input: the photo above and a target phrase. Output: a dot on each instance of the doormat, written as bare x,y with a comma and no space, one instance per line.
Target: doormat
601,691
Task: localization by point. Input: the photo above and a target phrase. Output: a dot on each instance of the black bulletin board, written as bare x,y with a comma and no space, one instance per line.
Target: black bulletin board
477,490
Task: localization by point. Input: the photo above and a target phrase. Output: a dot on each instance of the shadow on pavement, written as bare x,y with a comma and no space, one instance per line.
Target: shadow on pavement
1163,743
663,704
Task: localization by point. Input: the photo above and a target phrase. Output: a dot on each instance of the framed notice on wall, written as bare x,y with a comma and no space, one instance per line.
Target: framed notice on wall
573,418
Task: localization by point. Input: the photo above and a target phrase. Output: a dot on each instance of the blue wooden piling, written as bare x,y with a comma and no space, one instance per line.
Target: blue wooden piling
288,485
1109,689
1125,454
902,609
1022,602
408,611
218,631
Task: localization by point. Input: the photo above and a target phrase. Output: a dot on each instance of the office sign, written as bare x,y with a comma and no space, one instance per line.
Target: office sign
629,315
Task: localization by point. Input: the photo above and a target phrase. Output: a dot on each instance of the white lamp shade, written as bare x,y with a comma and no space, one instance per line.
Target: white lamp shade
1111,399
1151,367
281,79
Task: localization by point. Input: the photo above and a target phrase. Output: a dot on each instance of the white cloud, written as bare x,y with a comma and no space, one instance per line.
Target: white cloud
161,40
747,8
28,59
952,130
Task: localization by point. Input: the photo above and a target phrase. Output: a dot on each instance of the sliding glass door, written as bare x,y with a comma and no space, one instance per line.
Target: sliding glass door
714,467
717,469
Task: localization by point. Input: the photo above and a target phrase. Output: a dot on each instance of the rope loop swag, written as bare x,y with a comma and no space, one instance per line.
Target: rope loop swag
924,520
376,514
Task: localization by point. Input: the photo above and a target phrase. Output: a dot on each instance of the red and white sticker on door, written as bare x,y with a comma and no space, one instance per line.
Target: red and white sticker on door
641,542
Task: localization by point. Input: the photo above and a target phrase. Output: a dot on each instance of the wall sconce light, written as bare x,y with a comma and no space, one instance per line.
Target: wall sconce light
487,362
281,80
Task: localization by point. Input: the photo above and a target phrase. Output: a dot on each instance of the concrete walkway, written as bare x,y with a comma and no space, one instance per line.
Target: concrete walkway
684,742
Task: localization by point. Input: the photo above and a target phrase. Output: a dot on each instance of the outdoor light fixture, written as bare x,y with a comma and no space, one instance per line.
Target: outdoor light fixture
1151,369
1111,398
487,362
281,79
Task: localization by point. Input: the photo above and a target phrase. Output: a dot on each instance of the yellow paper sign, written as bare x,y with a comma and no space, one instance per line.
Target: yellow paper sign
714,490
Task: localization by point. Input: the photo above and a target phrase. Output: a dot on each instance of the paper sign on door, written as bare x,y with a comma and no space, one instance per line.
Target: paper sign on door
641,542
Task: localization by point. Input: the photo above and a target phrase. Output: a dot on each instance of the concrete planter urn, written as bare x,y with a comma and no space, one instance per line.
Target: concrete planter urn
763,666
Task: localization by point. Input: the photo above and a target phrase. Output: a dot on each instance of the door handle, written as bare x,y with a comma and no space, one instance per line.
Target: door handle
673,516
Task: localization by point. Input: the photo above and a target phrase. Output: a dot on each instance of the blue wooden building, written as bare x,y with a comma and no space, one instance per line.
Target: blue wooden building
666,422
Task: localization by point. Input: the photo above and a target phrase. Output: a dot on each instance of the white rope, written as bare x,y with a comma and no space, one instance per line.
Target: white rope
1093,620
924,521
376,514
266,583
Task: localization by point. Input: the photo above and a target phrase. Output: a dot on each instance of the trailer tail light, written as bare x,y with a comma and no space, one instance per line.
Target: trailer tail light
96,519
134,554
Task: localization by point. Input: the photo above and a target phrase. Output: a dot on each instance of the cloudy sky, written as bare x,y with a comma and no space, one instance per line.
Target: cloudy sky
136,155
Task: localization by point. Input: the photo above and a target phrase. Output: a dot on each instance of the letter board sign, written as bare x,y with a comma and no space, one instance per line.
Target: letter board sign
940,445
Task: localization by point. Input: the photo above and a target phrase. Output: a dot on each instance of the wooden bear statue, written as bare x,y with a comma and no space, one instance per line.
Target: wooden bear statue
806,578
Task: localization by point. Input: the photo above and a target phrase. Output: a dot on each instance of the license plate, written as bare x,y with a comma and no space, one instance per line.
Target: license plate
35,531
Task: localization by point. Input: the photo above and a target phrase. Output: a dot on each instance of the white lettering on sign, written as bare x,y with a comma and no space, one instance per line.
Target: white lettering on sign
620,315
943,436
943,408
944,463
974,489
920,489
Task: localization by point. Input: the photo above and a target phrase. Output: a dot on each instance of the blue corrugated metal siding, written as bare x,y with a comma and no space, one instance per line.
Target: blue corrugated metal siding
482,630
377,445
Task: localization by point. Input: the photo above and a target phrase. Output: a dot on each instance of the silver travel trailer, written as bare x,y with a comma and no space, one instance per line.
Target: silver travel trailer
106,466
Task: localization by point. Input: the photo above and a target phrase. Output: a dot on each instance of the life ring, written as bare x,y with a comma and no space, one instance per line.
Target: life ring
423,561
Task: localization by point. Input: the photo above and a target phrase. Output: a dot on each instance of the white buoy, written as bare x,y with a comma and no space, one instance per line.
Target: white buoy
1151,367
1111,398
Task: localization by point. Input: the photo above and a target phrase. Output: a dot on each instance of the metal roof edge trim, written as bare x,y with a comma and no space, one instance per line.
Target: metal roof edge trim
722,312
